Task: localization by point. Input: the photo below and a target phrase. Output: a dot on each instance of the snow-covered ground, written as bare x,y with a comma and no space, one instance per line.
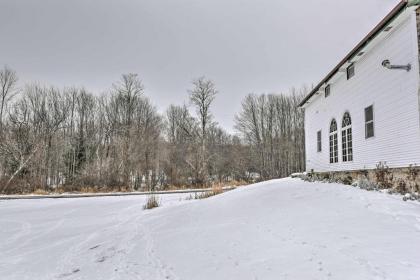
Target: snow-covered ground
281,229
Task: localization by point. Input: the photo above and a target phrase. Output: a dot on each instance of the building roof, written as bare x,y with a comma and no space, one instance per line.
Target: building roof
366,40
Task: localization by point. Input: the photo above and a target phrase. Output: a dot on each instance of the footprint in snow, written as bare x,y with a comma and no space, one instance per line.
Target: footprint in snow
320,268
94,247
101,259
69,273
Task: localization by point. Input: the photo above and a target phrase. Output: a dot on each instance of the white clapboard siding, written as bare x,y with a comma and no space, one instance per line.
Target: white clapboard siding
394,95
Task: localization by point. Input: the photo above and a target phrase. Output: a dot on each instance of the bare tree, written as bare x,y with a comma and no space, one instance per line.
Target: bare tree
123,104
202,96
8,82
182,132
74,140
272,126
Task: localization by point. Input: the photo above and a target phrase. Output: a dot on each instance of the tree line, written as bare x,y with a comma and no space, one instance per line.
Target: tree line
71,139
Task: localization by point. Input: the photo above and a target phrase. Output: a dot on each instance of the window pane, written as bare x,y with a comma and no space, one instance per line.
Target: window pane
369,113
346,120
319,143
335,147
350,71
333,126
327,91
369,130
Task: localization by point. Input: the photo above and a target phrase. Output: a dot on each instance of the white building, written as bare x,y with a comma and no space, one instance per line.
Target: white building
366,110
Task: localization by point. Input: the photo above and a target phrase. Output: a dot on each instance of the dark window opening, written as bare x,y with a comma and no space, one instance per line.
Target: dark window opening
369,127
327,91
350,71
318,141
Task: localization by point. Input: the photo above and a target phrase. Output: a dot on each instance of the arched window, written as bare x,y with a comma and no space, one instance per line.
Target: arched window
346,138
333,142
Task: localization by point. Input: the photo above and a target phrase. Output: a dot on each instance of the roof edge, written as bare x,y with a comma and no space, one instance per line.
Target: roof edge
365,41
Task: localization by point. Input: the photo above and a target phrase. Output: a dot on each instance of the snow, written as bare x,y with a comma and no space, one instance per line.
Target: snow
281,229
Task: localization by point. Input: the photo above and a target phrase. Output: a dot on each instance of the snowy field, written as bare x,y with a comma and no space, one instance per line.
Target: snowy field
282,229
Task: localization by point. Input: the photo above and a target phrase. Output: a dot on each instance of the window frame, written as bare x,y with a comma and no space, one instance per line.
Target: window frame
347,138
333,143
319,141
369,122
327,91
348,71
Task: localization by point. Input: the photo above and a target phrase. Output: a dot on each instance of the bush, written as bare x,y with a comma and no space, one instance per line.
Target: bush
366,185
412,172
384,177
152,202
348,180
401,186
364,172
18,186
412,175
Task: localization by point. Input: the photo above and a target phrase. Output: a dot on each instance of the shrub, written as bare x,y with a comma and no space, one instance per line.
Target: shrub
348,180
152,202
412,172
364,172
366,184
416,187
18,186
401,186
384,177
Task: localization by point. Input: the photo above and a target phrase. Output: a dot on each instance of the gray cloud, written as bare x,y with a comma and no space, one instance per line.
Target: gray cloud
244,46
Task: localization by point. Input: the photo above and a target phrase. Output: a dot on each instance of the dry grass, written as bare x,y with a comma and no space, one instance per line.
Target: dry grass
90,189
215,190
233,183
40,192
238,183
177,187
152,202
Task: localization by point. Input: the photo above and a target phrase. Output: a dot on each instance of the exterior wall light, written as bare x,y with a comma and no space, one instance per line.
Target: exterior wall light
387,64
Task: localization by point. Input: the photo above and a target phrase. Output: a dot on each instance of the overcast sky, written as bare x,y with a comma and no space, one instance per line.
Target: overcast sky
258,46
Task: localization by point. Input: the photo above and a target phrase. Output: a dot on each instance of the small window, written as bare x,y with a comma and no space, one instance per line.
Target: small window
369,128
327,91
350,71
333,142
319,141
346,138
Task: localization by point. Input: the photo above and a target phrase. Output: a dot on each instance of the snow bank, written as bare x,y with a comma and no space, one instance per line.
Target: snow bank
281,229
